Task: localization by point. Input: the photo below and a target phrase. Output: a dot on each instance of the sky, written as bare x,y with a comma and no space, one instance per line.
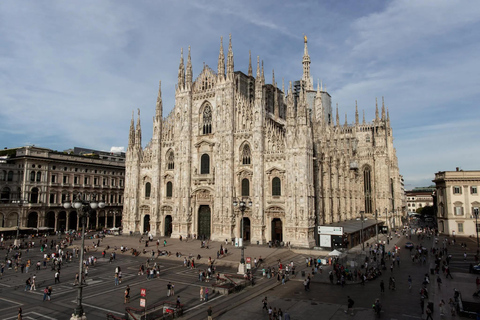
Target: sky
72,72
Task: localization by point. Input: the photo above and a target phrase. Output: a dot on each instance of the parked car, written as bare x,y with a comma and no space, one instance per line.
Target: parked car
476,268
409,245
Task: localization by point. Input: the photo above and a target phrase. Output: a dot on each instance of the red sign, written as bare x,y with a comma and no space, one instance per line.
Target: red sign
249,260
143,292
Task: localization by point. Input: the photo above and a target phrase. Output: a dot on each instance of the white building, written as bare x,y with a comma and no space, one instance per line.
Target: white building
457,201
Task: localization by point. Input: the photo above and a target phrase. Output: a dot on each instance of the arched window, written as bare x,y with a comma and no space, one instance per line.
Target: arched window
39,176
34,195
246,154
169,189
205,164
276,187
148,188
171,161
10,176
32,176
245,187
3,176
207,120
367,188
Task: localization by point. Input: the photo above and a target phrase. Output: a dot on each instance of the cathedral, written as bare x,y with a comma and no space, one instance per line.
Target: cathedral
233,139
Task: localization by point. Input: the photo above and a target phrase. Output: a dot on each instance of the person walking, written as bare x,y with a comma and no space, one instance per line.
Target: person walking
350,303
34,280
19,317
57,277
116,279
201,294
441,307
169,289
209,313
429,313
286,316
206,293
127,295
45,294
178,305
265,302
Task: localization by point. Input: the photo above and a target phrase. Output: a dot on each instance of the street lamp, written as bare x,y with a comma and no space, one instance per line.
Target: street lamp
242,204
376,223
475,212
83,208
20,203
361,231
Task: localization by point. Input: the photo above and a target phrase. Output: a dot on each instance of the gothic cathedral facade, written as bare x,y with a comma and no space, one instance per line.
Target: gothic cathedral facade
231,136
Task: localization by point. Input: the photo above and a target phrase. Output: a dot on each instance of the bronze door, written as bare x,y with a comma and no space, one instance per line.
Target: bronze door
204,221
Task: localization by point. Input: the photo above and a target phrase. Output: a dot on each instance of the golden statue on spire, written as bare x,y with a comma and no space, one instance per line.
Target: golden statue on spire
305,38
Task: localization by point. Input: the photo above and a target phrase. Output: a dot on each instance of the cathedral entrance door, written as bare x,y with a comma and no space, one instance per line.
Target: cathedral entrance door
246,229
146,223
277,230
168,226
204,221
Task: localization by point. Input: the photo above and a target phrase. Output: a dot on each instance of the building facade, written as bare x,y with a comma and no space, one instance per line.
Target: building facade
457,201
418,199
35,182
233,136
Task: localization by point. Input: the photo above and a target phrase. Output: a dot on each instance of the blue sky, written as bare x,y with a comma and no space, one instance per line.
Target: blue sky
71,72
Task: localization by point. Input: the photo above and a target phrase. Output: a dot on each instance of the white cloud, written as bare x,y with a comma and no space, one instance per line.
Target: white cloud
117,149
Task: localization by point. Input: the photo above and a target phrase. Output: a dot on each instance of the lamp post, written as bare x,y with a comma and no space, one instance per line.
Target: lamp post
83,208
242,204
361,231
475,212
376,223
20,203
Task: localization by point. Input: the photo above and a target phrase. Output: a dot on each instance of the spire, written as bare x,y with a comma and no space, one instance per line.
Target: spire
131,134
263,74
159,108
250,72
321,85
338,117
388,116
258,67
356,112
283,85
290,103
181,72
319,106
306,66
221,61
230,68
138,133
383,109
346,121
376,109
363,116
273,78
189,72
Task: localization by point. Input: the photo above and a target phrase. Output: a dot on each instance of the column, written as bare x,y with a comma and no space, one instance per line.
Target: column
56,221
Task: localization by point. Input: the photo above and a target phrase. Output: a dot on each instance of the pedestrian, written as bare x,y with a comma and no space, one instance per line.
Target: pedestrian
209,313
19,317
305,284
179,304
422,303
429,313
33,286
286,316
382,286
173,289
57,276
265,302
49,296
169,289
350,303
441,307
127,295
45,294
116,279
164,243
453,306
206,293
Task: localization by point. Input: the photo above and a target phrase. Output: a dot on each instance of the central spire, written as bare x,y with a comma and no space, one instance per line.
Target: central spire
306,67
221,62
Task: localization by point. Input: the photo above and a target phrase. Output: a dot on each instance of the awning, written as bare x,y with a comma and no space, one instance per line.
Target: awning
352,226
